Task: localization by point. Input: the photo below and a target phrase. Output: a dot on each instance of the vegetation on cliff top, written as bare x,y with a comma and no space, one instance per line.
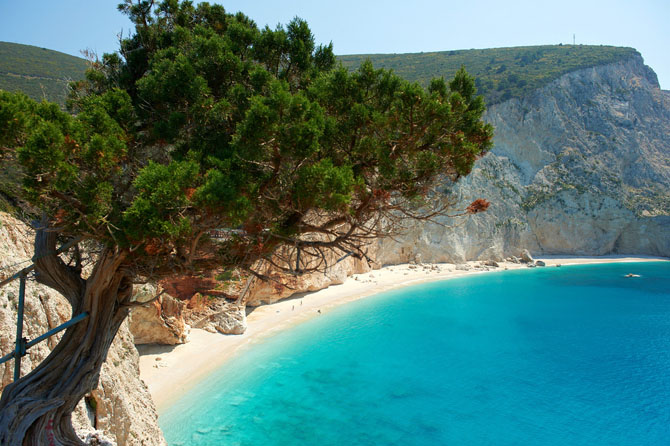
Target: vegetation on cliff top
500,73
38,72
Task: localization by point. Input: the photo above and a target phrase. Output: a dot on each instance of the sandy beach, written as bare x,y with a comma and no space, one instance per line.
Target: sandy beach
170,371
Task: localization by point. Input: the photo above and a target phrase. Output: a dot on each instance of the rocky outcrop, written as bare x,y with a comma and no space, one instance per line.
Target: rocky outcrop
579,167
159,322
167,320
124,410
120,409
282,285
185,287
217,315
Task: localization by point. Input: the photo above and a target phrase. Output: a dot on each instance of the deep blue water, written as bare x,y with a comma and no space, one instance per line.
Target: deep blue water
577,355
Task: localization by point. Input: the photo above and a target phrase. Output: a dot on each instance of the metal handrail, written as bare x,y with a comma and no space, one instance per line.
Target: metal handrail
22,344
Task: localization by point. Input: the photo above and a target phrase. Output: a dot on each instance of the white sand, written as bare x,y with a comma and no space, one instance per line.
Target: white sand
170,371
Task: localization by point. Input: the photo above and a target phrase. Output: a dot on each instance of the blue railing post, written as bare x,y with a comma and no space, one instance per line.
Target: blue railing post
22,344
20,340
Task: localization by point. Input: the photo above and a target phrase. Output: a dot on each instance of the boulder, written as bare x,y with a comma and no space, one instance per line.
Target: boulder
526,257
159,322
222,316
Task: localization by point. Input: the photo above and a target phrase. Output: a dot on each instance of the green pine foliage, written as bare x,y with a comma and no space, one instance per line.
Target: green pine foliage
203,121
500,73
38,72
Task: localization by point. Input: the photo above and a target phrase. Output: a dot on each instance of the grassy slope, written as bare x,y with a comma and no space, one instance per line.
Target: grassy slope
38,72
41,74
501,73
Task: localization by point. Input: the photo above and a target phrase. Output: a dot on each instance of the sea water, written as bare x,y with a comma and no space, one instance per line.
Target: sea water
577,355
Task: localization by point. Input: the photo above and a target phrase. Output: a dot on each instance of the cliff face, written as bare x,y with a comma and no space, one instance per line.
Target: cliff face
159,322
282,285
581,166
120,409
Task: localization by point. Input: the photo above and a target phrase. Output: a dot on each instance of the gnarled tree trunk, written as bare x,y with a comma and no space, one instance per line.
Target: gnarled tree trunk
37,409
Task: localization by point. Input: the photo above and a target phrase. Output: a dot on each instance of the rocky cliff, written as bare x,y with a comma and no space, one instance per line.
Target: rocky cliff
282,285
579,167
120,409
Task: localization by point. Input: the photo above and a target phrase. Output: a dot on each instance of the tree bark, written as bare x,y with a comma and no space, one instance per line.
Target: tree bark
37,409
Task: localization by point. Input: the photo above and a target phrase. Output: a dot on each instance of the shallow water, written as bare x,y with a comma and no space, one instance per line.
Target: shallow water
577,355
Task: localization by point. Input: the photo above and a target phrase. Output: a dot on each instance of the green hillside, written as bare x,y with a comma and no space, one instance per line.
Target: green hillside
41,74
38,72
500,73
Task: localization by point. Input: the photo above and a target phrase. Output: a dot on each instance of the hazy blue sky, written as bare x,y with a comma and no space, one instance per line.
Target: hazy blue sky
389,26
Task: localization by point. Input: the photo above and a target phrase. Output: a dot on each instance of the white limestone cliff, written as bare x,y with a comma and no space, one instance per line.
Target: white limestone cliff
579,167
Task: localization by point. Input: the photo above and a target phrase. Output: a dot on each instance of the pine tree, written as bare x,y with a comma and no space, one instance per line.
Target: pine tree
202,121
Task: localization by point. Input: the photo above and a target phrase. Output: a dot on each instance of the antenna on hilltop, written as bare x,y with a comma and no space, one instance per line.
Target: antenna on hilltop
573,39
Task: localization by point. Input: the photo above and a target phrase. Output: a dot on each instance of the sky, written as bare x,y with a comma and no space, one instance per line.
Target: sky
379,26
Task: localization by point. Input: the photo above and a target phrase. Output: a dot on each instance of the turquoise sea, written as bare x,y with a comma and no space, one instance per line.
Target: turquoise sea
577,355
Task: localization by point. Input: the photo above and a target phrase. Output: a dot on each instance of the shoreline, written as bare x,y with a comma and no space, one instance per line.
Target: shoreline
170,371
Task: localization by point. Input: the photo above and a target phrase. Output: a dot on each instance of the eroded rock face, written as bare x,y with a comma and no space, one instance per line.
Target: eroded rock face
125,411
184,287
284,285
159,322
217,315
579,167
120,409
167,320
649,235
